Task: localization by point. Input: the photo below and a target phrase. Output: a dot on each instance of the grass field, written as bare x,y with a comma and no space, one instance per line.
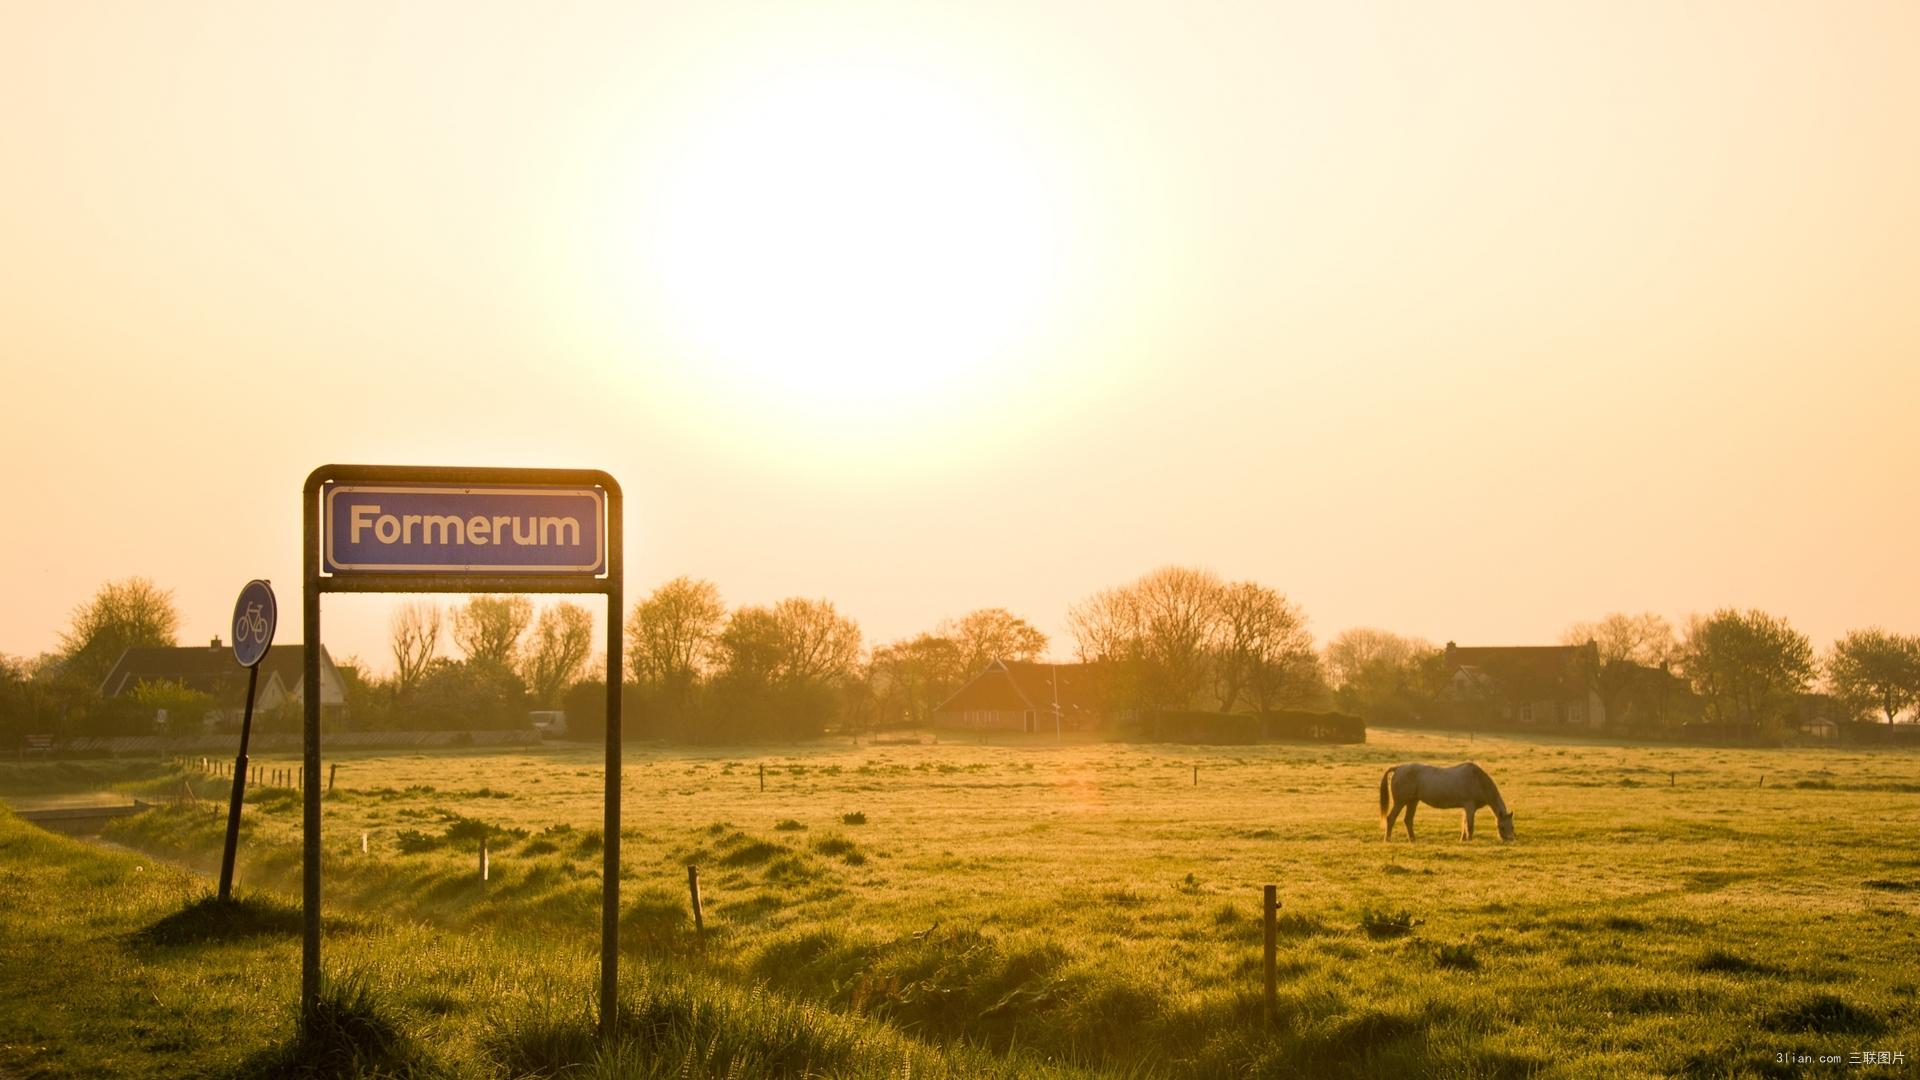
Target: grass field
965,909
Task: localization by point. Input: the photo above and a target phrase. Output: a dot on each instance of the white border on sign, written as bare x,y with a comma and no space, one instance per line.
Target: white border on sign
598,495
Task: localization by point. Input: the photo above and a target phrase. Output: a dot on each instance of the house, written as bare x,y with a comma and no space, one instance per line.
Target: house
1025,696
1534,685
212,670
1819,716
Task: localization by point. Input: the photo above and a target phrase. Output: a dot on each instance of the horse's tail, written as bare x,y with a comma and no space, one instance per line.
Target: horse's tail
1386,790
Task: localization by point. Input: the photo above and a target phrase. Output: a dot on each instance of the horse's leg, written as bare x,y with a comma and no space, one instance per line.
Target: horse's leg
1411,805
1392,816
1466,826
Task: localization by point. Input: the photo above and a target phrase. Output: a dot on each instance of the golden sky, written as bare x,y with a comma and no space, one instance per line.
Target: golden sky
1469,321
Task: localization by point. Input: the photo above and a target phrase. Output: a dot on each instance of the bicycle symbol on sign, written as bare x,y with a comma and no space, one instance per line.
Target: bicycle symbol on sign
250,626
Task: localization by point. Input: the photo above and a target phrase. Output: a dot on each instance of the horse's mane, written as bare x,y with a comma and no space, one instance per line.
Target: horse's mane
1488,787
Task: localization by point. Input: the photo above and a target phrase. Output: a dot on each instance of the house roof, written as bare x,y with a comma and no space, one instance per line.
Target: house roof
210,669
1021,684
1543,672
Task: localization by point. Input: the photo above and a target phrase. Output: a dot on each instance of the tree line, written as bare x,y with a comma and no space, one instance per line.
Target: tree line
1747,670
1177,638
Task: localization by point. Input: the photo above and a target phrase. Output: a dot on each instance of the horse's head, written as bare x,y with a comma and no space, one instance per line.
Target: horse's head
1506,825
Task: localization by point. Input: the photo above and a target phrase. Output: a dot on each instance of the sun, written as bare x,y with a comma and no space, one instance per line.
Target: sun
853,242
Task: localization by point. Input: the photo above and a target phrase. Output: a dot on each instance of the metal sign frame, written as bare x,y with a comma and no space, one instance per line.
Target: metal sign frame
314,583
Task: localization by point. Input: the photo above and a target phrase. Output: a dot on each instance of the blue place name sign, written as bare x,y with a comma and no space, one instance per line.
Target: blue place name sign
463,529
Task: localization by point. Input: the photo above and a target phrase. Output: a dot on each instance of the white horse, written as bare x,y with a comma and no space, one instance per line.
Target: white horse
1465,786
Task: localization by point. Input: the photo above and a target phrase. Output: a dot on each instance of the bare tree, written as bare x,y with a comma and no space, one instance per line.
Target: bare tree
991,634
1633,649
1355,655
1265,652
1646,639
1160,633
909,678
1377,673
488,628
122,615
673,632
414,631
1875,670
1106,627
795,642
554,657
819,644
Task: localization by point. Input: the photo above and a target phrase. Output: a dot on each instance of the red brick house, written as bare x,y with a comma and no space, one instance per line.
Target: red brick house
1023,696
1544,685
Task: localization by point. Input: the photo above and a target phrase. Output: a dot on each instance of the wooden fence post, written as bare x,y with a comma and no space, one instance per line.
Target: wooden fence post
1196,776
483,860
1271,904
331,773
763,776
693,891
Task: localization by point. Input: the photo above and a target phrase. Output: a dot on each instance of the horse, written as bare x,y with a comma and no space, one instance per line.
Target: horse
1466,786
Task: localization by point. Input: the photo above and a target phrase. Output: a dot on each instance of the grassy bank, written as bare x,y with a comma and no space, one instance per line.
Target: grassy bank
116,965
1665,911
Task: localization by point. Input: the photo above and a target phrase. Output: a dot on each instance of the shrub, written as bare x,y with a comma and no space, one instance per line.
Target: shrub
1386,924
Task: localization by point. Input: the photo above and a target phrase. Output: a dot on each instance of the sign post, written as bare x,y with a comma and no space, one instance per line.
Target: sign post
412,529
254,617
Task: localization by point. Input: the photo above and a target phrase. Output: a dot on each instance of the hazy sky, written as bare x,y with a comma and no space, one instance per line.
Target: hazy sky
1467,321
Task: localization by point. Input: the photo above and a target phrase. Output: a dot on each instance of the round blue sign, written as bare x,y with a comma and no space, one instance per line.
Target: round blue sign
253,618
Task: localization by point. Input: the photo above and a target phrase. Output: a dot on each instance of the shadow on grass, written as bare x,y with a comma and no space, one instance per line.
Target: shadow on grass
350,1034
1720,961
1823,1014
209,919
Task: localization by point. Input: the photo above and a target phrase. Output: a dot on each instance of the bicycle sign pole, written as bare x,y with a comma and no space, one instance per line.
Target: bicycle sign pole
254,615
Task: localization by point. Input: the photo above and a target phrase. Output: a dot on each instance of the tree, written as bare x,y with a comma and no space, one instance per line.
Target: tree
369,701
1382,675
1176,633
1748,667
673,632
750,648
415,635
489,627
558,651
783,667
912,676
122,615
1645,639
473,693
1180,626
1635,652
26,704
175,708
1265,652
1159,633
991,634
818,644
1874,670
